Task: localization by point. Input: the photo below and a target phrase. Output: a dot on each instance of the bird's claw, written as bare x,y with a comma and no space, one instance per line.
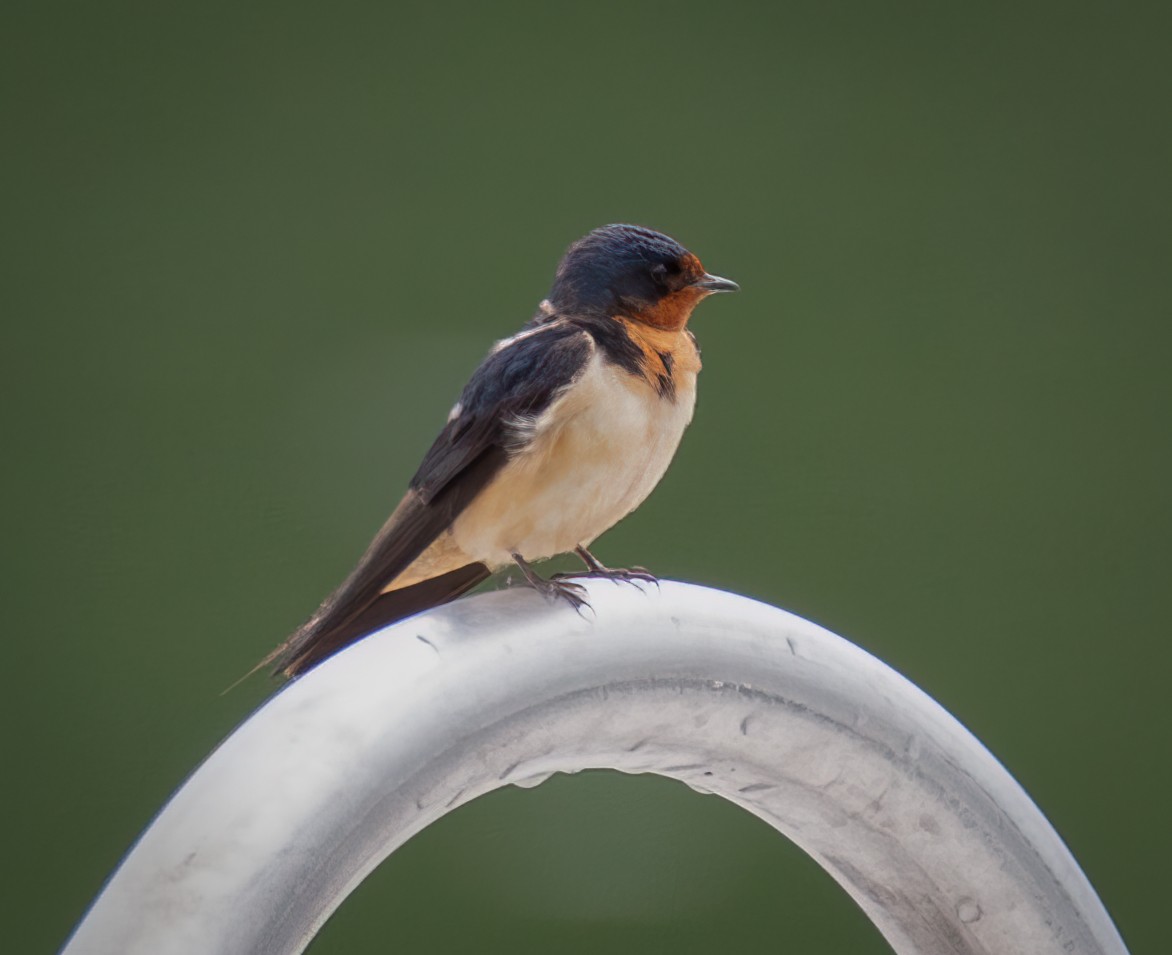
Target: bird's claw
556,587
630,575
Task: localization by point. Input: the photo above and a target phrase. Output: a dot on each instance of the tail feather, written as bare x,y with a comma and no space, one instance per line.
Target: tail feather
318,640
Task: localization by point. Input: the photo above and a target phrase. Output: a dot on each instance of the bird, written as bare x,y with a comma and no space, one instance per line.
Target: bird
562,431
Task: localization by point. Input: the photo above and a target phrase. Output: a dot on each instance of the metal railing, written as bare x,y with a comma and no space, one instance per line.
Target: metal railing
912,816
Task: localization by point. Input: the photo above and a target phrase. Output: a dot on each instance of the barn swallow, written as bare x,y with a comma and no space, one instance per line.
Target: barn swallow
562,431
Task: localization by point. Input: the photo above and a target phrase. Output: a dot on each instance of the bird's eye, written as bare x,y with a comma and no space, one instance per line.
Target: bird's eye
659,272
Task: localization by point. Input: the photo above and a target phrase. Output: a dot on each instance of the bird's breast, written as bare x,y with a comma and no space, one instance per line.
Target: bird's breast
590,459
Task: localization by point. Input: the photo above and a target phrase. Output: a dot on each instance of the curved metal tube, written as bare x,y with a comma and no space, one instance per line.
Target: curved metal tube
912,816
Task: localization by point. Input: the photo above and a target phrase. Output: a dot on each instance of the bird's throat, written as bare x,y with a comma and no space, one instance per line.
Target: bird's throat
671,313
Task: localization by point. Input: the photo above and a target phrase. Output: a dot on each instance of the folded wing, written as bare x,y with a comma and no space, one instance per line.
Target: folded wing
518,380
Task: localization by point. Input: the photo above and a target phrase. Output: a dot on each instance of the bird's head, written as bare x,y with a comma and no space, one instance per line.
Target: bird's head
633,272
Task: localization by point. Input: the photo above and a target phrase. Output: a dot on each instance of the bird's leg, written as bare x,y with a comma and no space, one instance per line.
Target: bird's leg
593,564
596,568
574,594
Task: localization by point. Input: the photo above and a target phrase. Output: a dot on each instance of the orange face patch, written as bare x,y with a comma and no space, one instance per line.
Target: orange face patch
672,312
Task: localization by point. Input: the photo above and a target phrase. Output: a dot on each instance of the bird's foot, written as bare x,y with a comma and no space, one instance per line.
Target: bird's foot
598,570
555,587
630,575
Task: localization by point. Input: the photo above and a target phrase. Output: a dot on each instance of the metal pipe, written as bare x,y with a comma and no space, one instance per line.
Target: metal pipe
912,816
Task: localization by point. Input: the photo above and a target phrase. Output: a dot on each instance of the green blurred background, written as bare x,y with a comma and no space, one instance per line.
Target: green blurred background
252,251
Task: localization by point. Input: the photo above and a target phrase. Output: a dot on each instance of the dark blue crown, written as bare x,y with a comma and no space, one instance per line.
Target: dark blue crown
610,263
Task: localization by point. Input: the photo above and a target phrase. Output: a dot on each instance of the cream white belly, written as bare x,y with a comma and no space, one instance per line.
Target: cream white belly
594,456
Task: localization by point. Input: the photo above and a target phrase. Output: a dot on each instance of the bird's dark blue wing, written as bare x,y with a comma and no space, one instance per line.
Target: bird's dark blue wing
519,379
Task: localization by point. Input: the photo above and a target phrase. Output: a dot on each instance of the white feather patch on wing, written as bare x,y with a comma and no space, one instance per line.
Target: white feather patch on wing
520,432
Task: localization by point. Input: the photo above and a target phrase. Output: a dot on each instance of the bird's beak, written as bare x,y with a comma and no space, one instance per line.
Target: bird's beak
714,283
